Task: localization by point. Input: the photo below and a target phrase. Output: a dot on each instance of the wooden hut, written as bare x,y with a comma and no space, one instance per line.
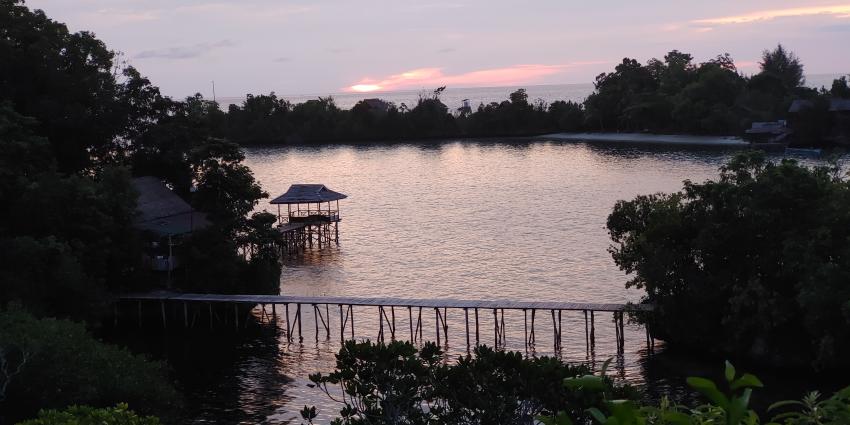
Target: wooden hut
312,216
165,218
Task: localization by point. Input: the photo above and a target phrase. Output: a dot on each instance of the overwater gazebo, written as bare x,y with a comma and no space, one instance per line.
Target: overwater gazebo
312,215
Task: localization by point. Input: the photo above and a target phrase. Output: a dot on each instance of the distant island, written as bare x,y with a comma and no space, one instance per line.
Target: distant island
672,95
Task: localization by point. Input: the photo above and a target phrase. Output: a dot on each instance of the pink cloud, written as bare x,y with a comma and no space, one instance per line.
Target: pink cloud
431,77
840,11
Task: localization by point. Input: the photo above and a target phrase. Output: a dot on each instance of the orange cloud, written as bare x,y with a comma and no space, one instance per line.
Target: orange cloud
840,11
425,77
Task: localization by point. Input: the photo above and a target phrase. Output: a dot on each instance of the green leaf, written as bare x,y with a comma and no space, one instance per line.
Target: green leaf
746,381
598,415
709,390
586,382
730,371
784,403
676,418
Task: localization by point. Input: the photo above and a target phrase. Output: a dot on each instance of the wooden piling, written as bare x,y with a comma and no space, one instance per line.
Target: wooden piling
466,320
387,316
410,321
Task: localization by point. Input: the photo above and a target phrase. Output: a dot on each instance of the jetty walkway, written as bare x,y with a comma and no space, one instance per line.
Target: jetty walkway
294,307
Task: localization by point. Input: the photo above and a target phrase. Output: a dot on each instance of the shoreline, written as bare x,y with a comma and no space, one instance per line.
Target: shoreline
590,138
653,139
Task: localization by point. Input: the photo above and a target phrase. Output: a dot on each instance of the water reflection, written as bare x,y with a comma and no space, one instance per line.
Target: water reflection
472,220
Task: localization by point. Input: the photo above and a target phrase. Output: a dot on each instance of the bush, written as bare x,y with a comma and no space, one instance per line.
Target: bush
396,383
64,365
726,404
85,415
755,264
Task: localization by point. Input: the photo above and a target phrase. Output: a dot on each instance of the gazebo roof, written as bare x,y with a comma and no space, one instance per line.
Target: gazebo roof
308,193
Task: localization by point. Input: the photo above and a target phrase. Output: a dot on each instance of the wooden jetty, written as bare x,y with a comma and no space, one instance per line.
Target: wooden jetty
312,217
294,307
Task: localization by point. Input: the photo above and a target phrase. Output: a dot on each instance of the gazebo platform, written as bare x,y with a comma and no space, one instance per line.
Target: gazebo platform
312,217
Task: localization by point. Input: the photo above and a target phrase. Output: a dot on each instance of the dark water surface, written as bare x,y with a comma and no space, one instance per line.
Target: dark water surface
472,220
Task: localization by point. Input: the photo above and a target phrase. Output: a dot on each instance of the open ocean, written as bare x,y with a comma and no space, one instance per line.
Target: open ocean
453,97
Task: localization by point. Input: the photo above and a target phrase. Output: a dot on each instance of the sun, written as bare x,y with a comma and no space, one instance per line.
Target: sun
362,88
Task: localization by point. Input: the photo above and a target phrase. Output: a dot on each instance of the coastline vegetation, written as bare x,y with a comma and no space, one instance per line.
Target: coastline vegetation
669,95
753,265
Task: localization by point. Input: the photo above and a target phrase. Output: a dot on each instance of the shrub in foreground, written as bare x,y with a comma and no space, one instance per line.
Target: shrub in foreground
64,365
397,383
85,415
728,404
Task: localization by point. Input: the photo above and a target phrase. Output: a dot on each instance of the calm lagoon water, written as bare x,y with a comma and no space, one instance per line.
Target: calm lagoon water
462,219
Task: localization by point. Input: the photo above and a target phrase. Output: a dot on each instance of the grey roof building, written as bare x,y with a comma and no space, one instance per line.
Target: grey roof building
162,211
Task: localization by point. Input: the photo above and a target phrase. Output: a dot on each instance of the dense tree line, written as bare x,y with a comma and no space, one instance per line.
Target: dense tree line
669,95
754,264
76,124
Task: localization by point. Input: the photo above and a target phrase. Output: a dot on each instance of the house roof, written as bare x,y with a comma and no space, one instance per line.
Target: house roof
308,193
771,127
162,211
835,105
839,105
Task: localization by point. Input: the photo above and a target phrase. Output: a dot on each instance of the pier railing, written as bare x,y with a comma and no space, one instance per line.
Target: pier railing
475,313
314,213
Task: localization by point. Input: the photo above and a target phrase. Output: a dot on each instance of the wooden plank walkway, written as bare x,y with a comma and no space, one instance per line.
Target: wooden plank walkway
386,302
242,305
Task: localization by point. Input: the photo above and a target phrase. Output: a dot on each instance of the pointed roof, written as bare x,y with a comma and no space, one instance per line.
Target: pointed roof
162,211
308,193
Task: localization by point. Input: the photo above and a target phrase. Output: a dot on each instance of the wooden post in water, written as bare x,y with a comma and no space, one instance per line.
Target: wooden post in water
592,331
381,323
445,320
341,325
419,324
476,327
392,330
162,309
586,333
437,324
327,322
298,318
410,321
316,320
525,328
495,329
288,329
466,320
502,329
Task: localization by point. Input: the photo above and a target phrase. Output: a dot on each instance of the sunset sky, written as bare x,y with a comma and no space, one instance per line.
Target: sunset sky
300,47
